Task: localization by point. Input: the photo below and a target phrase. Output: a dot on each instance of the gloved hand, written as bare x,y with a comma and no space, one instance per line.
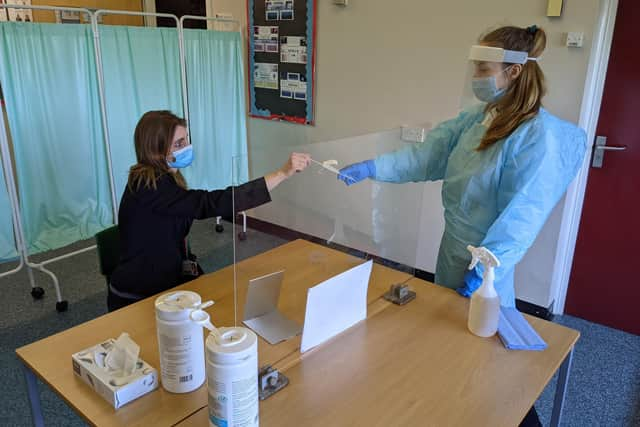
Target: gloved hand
472,281
357,172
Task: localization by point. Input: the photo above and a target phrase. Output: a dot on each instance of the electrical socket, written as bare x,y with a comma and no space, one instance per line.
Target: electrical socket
575,39
413,134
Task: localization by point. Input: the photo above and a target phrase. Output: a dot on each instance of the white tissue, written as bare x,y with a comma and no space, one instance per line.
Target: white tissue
123,356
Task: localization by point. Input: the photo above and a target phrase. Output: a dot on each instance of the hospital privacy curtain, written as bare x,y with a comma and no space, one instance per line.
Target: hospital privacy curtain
217,109
48,77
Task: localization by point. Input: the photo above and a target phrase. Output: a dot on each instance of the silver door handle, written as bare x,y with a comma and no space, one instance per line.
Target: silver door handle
600,147
610,148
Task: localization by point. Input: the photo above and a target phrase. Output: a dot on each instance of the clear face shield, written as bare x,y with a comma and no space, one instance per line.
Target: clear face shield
488,74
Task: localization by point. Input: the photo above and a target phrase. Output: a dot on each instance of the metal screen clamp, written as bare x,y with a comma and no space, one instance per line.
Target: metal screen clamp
270,381
399,294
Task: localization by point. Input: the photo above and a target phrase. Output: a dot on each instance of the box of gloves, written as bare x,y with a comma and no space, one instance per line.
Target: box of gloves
113,369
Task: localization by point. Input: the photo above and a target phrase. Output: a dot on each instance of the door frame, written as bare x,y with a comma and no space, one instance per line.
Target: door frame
149,6
589,115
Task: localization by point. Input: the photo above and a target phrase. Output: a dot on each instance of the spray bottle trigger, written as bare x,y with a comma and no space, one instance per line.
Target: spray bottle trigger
474,257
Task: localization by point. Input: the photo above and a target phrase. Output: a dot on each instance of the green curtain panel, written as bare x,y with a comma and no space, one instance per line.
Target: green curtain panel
217,110
141,73
47,73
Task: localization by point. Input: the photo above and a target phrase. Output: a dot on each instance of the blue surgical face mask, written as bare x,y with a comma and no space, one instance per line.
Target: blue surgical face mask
486,88
183,156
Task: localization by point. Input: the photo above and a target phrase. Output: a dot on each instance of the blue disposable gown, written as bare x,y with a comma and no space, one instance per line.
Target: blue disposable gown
499,197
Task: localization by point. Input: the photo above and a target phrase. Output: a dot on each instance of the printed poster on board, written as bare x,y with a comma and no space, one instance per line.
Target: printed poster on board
265,75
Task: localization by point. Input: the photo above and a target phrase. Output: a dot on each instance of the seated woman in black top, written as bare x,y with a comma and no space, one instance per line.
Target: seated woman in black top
157,209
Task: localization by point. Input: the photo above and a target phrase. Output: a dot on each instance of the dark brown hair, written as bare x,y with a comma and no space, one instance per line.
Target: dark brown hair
152,139
523,97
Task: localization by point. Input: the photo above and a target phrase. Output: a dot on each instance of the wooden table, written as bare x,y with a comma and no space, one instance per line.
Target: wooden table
417,365
305,264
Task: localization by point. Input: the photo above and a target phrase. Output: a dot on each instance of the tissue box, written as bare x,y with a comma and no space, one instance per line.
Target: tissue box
89,365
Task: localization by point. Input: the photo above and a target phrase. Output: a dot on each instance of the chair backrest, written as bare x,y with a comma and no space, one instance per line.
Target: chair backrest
108,242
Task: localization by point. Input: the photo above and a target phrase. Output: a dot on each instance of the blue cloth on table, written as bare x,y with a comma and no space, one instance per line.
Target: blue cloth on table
516,333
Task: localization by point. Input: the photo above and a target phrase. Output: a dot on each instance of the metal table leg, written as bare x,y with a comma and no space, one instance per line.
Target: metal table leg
34,397
561,390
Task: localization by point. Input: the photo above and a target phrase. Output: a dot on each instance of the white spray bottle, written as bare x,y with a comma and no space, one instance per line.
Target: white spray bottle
484,311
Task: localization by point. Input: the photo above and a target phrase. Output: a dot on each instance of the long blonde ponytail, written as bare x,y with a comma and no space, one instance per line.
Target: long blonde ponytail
523,97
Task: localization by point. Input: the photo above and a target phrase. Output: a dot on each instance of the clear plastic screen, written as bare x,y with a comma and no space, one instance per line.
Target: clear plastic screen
316,227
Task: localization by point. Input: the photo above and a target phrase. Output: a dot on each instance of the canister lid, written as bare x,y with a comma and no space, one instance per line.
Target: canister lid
234,344
177,305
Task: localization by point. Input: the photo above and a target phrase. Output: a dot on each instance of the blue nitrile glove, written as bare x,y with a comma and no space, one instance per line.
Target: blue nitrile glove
472,281
357,172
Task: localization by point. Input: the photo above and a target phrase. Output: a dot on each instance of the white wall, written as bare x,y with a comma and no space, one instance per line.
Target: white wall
382,64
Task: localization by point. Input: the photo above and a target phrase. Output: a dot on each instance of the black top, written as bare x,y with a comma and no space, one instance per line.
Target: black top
154,224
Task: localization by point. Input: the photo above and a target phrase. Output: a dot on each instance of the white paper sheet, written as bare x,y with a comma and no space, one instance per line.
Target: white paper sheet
293,49
335,305
265,39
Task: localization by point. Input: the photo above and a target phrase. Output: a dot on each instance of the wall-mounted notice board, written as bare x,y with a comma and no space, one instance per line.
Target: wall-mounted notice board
282,39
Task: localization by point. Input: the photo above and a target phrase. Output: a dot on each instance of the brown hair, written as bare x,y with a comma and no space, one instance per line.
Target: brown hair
523,97
152,139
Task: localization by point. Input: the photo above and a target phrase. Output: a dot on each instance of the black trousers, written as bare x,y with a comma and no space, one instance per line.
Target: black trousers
115,302
531,419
